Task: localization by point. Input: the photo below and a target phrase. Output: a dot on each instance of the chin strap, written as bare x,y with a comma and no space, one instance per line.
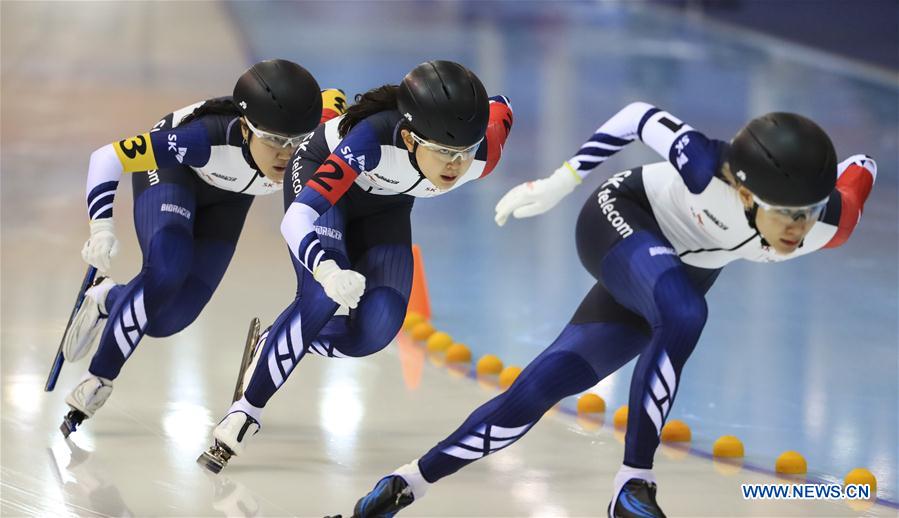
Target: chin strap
245,149
413,160
750,218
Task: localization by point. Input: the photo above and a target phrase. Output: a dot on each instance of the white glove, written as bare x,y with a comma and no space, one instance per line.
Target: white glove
102,246
537,197
344,287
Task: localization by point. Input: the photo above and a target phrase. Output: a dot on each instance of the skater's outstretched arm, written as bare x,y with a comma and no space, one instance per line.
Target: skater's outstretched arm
696,157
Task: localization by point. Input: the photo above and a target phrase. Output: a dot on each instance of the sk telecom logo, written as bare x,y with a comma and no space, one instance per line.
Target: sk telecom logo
173,147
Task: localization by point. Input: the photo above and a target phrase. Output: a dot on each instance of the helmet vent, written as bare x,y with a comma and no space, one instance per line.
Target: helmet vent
272,94
268,89
765,150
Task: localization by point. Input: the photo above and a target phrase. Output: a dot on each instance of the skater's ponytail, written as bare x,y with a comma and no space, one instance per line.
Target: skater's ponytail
376,100
218,106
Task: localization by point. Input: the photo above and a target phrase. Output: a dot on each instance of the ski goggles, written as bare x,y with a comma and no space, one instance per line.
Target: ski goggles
786,214
276,140
448,154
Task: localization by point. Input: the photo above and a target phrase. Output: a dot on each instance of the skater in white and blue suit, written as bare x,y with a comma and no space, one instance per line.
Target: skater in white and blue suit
194,175
654,238
347,225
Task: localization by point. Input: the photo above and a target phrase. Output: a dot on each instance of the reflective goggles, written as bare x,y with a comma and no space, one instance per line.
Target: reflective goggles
448,154
788,215
274,139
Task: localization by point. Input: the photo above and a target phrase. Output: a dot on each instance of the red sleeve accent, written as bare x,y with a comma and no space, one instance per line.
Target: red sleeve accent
333,178
328,114
498,128
854,186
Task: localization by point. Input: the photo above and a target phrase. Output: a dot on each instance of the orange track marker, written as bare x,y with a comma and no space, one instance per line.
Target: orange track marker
418,299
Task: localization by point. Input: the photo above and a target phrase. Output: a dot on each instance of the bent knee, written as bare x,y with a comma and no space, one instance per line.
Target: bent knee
679,304
380,315
183,308
165,329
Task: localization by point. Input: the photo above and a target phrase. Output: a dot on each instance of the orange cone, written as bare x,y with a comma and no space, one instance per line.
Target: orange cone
418,299
412,360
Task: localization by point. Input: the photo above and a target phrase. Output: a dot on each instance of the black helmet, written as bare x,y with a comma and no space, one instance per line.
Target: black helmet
784,159
279,96
444,102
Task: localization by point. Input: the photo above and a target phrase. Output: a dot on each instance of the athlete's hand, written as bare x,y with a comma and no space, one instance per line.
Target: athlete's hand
344,287
102,246
537,197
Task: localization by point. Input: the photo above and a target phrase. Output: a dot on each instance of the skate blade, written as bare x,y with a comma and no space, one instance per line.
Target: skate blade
212,461
66,428
70,422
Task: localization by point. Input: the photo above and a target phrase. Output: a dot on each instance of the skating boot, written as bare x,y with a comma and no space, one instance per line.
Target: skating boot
230,439
390,494
83,333
85,399
637,499
231,433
